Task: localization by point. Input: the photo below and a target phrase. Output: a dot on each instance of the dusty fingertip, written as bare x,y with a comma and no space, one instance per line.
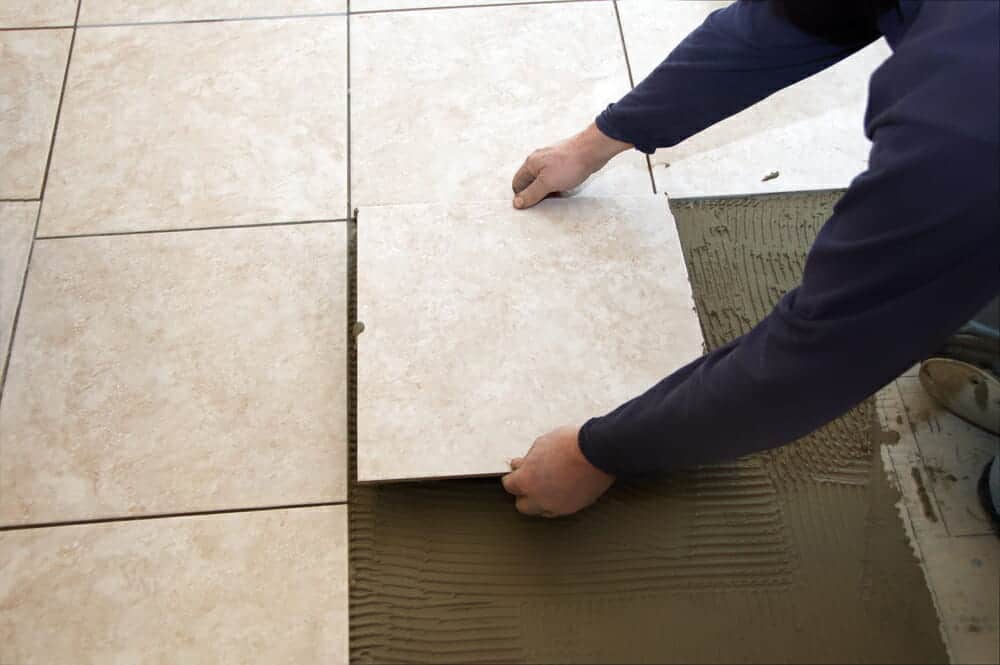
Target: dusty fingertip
518,202
516,462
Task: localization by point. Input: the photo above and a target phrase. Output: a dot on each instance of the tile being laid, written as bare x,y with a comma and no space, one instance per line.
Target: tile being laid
177,372
32,64
256,132
810,134
37,13
486,326
452,109
258,587
132,11
17,226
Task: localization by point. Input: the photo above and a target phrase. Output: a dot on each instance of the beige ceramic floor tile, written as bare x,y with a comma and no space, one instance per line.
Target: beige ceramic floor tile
32,64
382,5
256,132
17,225
962,572
37,13
486,327
130,11
811,133
175,372
451,110
954,454
258,587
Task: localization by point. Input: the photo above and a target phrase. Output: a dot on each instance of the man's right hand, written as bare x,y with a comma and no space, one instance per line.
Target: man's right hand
563,166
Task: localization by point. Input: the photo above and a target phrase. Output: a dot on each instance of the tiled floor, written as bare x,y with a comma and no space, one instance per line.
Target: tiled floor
173,319
174,182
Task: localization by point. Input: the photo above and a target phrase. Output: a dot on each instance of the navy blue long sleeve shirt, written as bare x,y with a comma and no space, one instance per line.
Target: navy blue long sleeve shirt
911,251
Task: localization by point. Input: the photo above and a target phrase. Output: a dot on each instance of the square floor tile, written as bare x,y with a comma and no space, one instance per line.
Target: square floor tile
17,225
32,64
257,587
201,124
37,13
131,11
811,134
486,327
446,104
176,372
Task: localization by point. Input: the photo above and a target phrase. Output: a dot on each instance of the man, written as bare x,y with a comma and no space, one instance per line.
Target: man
911,251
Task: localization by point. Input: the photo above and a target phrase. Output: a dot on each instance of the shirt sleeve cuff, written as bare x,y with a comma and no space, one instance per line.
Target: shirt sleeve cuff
595,450
608,123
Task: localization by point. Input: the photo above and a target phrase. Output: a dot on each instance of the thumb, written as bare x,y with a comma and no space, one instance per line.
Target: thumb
532,194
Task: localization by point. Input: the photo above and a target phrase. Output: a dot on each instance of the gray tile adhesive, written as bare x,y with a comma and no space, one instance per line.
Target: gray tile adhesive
794,555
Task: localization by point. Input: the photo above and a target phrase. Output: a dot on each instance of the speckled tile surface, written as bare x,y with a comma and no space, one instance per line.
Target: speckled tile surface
451,110
262,587
32,64
477,317
17,224
811,134
255,133
382,5
36,13
177,372
130,11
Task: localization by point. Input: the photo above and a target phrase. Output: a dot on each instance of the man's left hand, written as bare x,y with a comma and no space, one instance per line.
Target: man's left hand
554,478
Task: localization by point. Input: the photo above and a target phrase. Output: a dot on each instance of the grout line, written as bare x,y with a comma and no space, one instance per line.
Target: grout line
229,19
17,200
400,10
158,516
621,36
283,17
38,213
37,27
350,349
106,234
631,82
652,178
347,39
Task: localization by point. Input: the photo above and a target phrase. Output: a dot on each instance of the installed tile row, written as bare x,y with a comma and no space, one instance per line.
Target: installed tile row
43,13
267,586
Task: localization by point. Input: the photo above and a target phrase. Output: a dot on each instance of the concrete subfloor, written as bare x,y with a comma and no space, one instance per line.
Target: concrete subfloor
936,464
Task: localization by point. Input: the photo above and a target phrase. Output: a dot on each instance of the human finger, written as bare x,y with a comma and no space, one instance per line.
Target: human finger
532,194
524,176
527,506
512,483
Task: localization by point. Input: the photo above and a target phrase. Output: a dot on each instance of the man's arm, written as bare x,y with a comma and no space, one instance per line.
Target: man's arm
910,253
738,56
